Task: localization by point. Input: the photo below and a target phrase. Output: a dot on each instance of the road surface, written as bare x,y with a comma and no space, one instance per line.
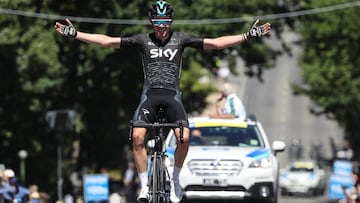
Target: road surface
283,115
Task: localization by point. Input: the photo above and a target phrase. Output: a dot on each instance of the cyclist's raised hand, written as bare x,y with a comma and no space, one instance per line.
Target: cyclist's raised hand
258,31
66,30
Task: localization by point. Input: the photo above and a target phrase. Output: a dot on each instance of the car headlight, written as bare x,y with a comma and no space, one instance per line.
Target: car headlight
262,163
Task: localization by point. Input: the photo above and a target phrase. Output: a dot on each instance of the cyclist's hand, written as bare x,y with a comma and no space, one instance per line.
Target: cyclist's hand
258,31
66,30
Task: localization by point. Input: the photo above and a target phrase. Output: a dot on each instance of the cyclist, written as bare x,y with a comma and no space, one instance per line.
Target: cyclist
161,53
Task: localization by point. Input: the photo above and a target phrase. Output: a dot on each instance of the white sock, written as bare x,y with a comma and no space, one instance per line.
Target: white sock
143,180
176,174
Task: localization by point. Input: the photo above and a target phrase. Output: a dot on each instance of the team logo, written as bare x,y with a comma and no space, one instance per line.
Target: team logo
145,111
215,164
158,53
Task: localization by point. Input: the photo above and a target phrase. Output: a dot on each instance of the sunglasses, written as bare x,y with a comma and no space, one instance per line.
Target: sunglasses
158,22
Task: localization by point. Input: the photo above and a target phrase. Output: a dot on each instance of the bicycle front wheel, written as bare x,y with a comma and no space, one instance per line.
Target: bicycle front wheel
158,183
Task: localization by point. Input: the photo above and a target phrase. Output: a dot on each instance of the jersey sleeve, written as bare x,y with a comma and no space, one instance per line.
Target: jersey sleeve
191,41
132,41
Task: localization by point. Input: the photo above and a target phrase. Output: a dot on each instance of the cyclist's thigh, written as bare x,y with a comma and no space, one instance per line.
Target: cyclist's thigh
144,113
176,110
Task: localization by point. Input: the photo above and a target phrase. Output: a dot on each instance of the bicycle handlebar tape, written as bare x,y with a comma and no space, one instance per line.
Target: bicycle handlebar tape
130,130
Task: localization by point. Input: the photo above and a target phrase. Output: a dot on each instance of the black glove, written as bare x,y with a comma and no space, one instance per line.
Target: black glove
255,31
68,30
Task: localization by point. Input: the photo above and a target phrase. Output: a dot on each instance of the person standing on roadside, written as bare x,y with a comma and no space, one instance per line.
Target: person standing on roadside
233,104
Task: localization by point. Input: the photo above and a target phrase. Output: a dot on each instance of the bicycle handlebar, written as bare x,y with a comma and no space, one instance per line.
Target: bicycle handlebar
159,125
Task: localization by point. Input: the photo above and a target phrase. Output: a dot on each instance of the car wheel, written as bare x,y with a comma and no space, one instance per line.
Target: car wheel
311,192
284,192
268,201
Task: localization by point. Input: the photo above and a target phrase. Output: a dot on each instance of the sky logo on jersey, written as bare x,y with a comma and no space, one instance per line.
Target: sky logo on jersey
158,53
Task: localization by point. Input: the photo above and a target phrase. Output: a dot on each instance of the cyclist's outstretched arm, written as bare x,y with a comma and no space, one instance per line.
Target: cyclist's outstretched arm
103,40
232,40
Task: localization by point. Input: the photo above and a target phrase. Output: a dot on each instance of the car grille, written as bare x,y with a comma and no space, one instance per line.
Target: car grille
214,167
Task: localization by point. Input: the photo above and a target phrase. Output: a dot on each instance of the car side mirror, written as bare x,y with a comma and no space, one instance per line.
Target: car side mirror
278,146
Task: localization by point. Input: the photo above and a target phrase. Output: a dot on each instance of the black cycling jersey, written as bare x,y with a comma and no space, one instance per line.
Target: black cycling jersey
162,62
162,68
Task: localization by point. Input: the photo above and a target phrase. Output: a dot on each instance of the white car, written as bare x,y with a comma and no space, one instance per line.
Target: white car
302,177
228,159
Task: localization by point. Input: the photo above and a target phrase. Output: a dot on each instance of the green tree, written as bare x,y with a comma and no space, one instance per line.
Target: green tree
331,64
42,71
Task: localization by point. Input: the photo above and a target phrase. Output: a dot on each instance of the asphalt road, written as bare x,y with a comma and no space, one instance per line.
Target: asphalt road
285,116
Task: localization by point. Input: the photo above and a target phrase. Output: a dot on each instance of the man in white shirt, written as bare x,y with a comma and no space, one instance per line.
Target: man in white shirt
233,104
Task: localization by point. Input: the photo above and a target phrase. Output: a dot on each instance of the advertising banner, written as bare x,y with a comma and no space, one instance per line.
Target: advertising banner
96,187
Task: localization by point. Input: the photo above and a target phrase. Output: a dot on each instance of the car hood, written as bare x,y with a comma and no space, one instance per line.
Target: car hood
299,176
225,152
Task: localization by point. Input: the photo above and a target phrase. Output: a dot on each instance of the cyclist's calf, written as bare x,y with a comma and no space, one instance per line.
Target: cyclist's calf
181,147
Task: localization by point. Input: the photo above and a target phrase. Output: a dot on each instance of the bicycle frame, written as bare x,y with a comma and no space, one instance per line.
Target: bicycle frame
159,177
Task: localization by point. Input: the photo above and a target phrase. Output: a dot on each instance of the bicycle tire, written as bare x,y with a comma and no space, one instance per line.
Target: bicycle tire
151,178
157,179
166,184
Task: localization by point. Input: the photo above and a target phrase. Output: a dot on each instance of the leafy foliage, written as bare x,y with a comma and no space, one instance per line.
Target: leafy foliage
331,64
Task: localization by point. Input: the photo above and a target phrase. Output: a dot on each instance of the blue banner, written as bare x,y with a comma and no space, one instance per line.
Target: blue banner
336,183
342,167
96,187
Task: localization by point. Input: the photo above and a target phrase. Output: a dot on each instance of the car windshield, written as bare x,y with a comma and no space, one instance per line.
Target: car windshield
301,169
226,136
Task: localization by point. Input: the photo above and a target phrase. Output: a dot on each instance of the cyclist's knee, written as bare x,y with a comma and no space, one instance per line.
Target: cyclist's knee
138,136
186,135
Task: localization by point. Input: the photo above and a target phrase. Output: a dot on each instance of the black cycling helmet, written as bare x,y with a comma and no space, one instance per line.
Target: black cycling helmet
161,9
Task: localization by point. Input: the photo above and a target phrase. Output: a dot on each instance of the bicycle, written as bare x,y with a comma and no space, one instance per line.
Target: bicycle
159,177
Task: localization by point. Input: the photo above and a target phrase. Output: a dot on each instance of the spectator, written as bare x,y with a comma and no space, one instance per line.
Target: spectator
21,193
346,152
130,182
295,150
8,174
76,183
4,186
37,196
233,104
15,193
